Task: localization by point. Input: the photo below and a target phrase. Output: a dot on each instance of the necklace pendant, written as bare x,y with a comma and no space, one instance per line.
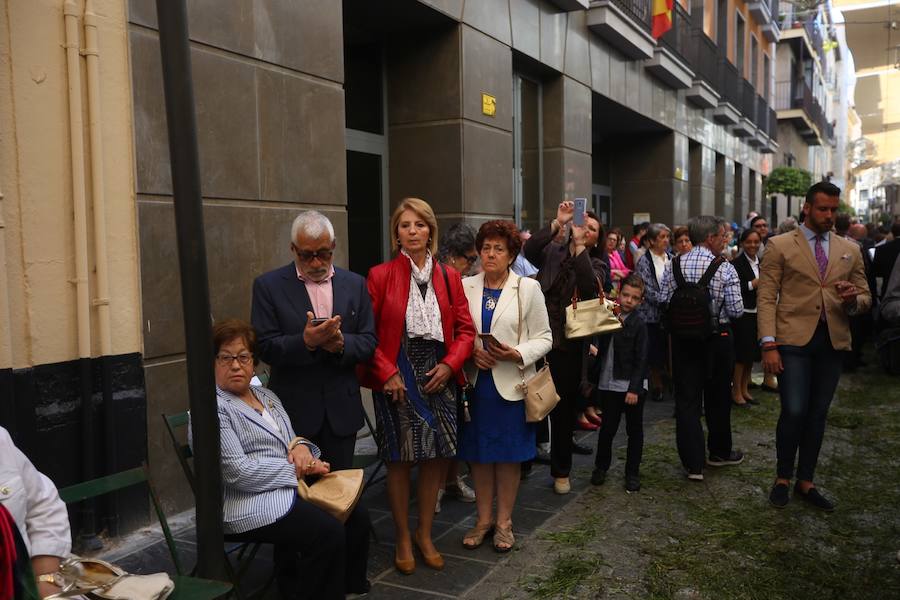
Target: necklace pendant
490,303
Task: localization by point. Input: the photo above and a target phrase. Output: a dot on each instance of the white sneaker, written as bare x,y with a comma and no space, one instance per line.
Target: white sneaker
437,505
461,491
695,476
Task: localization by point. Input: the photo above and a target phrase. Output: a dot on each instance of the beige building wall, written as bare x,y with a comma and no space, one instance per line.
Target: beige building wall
37,292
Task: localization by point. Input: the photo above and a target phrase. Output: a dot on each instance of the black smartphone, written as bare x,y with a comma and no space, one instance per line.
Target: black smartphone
318,321
488,339
580,208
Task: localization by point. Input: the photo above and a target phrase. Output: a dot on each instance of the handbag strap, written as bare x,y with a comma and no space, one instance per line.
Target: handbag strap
519,332
600,293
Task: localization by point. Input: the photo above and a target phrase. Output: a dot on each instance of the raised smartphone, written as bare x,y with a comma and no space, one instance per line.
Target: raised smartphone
318,321
578,215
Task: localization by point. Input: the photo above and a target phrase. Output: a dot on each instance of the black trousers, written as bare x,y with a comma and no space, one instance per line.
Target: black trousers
613,405
316,556
565,367
336,450
702,371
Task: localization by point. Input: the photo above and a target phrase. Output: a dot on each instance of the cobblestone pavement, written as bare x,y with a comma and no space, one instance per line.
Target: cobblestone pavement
146,552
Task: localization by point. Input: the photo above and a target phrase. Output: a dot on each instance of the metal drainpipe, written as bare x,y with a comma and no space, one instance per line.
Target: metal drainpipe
82,293
101,302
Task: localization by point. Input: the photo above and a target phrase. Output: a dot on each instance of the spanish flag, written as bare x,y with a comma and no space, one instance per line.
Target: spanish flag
662,17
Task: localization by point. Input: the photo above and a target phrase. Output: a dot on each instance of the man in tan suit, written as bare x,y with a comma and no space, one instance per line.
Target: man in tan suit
811,281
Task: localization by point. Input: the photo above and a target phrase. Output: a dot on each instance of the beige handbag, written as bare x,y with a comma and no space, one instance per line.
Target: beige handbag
585,318
336,493
540,391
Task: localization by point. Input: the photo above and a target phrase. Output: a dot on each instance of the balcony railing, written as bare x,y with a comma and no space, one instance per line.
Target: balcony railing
678,39
761,118
638,10
729,82
773,125
703,57
796,94
748,101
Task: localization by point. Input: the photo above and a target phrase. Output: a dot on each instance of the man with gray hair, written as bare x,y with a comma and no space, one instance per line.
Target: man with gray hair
314,323
702,350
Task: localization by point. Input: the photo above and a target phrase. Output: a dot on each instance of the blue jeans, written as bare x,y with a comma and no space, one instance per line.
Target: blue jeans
807,385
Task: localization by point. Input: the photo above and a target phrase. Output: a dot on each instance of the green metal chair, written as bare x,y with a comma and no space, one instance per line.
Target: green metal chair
186,587
243,553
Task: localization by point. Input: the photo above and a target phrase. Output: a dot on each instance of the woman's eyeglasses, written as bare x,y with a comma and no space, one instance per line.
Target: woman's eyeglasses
225,360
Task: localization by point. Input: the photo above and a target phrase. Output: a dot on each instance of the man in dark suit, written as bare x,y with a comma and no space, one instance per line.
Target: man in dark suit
885,257
314,323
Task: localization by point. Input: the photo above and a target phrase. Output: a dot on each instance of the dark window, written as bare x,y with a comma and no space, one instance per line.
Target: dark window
722,24
363,88
739,39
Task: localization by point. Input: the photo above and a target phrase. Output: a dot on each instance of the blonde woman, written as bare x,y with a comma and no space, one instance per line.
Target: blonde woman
425,334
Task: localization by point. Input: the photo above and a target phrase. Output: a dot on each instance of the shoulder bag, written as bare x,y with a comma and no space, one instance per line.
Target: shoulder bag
585,318
336,493
540,391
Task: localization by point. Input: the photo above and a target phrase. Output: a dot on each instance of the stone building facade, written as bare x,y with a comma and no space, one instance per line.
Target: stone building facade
486,109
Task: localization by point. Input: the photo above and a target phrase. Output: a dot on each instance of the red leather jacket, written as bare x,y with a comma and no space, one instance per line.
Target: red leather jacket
388,285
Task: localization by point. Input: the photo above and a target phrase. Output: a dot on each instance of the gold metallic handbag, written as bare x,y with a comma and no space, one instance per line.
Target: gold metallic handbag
99,580
336,493
585,318
540,391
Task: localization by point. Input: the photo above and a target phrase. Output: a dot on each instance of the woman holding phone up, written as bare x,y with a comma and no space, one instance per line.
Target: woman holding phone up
575,263
510,314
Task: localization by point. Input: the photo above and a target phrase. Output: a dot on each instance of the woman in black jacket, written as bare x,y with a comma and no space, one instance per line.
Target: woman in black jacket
573,262
746,347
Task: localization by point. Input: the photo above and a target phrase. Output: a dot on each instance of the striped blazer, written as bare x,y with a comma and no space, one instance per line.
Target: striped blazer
260,485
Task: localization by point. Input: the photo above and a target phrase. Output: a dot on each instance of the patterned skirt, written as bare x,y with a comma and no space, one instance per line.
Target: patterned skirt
424,426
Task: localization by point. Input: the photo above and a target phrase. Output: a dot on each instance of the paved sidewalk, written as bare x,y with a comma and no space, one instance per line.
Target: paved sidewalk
146,552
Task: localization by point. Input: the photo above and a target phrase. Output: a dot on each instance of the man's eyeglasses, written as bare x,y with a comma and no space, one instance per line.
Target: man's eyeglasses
305,256
225,360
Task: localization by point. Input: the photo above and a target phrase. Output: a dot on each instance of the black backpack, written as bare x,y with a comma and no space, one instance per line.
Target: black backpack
689,314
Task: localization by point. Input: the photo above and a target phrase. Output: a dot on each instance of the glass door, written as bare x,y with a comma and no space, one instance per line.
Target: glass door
527,153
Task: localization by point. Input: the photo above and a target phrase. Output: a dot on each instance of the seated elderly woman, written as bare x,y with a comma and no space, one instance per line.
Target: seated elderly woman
31,500
315,555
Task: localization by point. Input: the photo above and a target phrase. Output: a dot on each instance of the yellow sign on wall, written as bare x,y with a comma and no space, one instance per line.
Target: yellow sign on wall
488,105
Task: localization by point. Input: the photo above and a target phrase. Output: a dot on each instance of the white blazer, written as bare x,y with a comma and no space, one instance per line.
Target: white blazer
536,336
32,500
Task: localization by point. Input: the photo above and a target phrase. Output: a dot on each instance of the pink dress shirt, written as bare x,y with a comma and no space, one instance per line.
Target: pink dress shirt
321,295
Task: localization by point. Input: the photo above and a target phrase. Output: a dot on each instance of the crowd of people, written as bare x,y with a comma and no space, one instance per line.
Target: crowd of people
446,333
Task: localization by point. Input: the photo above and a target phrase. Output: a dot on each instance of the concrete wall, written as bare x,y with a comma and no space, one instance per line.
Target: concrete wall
38,317
270,115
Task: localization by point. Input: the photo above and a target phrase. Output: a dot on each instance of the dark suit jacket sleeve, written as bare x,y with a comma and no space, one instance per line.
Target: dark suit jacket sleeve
639,373
275,347
587,271
359,346
534,247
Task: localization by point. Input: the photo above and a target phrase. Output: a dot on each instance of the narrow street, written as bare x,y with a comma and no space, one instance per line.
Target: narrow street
720,539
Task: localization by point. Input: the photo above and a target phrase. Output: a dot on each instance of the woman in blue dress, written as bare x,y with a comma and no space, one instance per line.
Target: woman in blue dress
510,313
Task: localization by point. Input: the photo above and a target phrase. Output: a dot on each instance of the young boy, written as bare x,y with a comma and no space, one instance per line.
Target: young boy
621,385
